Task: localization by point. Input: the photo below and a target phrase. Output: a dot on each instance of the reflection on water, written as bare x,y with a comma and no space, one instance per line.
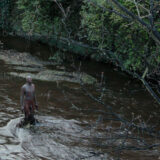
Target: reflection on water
68,127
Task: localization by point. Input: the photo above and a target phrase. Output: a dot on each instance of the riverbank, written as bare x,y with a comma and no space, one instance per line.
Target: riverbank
77,49
25,64
60,56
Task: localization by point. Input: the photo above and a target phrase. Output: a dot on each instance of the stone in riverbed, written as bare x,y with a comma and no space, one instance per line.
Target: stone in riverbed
24,59
27,69
53,75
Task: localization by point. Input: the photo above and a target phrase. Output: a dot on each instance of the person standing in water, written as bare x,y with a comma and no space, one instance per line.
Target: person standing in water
28,100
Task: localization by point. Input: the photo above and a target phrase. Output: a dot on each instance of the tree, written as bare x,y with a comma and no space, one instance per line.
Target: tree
5,10
130,31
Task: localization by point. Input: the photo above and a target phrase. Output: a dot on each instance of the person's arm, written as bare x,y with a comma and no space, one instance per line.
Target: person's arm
35,99
22,99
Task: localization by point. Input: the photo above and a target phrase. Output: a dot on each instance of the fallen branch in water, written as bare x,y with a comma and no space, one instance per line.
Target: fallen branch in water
132,136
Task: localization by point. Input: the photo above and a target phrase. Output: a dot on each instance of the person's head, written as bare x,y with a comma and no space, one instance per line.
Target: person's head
29,79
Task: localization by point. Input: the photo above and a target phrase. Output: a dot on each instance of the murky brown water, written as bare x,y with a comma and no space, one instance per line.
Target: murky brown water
70,127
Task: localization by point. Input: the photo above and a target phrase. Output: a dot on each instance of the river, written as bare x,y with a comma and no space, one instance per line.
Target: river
71,125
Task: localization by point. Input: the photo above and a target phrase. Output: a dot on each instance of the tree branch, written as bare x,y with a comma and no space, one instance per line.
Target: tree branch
150,29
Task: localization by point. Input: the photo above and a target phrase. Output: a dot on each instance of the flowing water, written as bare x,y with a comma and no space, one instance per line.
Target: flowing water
71,125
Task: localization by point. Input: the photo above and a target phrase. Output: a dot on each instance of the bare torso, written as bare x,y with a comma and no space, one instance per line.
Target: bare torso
28,101
29,91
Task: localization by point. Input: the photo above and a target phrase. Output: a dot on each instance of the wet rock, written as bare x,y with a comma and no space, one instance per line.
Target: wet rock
53,75
24,59
28,69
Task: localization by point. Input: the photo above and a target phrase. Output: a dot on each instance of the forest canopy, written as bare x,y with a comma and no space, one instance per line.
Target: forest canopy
128,29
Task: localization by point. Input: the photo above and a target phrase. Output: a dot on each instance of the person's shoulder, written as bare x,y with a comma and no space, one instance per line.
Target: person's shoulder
33,84
24,86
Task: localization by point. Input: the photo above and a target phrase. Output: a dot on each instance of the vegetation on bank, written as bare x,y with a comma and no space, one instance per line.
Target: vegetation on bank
130,42
99,23
126,32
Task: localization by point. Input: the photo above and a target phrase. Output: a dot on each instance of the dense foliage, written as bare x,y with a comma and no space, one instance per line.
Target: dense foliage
93,22
46,17
33,17
5,12
128,40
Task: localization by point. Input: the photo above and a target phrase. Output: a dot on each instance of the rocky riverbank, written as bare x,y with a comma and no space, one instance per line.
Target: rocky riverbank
23,64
